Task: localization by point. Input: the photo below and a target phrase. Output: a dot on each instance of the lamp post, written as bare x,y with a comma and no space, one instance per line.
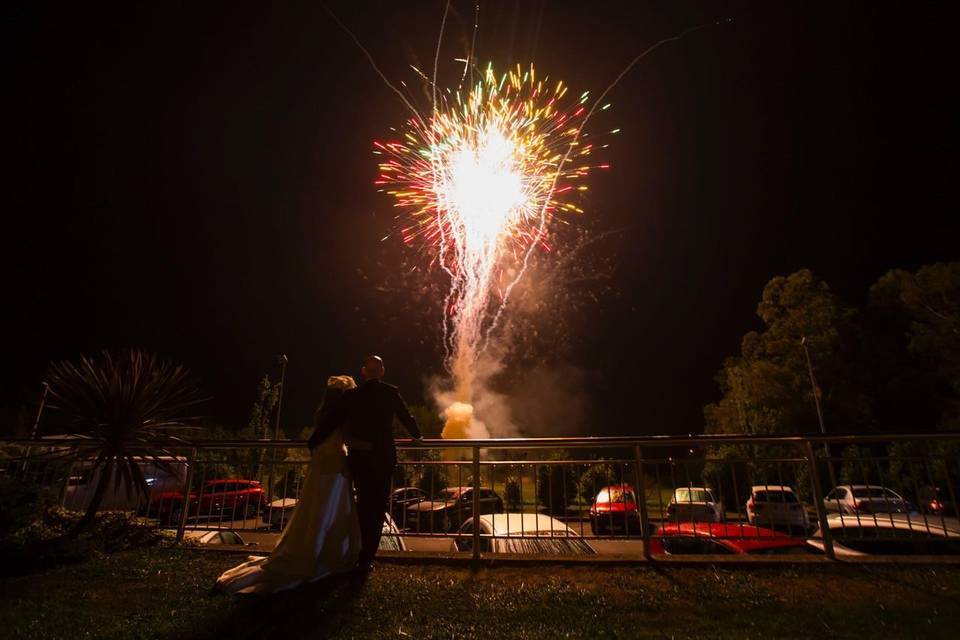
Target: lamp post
276,426
36,423
813,385
816,401
283,373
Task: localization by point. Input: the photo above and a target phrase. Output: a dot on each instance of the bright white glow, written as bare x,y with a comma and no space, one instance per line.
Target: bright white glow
483,188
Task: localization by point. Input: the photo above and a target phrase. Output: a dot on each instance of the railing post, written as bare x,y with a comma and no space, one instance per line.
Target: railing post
476,503
818,501
185,509
642,502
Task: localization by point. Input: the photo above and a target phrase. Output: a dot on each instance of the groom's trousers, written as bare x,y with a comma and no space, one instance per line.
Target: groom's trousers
371,481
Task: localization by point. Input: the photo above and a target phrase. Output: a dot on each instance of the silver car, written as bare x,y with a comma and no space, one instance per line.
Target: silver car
773,505
863,498
525,533
695,504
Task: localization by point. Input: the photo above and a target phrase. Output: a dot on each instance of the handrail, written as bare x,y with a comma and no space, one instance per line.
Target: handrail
536,443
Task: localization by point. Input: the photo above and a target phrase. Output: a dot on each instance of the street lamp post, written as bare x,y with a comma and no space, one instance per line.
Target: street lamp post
283,374
816,401
36,423
813,385
276,424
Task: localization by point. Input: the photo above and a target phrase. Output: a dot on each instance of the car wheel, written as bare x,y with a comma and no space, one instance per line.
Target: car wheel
250,511
175,514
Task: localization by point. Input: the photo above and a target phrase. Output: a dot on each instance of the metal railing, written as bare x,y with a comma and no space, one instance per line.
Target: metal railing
839,495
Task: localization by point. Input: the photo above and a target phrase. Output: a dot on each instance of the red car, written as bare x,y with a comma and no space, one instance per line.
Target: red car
684,538
233,498
615,510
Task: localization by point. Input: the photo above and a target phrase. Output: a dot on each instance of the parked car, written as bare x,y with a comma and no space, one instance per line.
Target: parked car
450,509
776,506
696,504
278,512
936,501
224,536
390,539
528,533
231,498
862,498
615,510
893,534
687,538
118,496
401,500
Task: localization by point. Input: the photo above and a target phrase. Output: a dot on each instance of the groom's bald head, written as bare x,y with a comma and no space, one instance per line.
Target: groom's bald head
372,368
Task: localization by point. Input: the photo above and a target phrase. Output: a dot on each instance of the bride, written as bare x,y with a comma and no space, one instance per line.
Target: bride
322,537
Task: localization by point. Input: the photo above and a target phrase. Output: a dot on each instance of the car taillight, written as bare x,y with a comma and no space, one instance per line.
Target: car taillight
935,505
858,505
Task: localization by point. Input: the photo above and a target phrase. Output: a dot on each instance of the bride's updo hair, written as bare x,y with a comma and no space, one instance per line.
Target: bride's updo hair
341,382
336,386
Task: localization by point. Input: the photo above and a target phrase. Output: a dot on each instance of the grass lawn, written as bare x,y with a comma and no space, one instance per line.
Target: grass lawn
165,593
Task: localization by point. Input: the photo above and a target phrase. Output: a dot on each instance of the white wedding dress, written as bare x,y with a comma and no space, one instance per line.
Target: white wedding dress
322,537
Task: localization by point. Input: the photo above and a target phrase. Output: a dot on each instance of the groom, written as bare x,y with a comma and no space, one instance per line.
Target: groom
369,410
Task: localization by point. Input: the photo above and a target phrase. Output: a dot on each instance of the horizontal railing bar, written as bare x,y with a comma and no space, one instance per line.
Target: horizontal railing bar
538,443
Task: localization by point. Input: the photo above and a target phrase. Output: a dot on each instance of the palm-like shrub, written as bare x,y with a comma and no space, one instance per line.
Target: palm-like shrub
128,407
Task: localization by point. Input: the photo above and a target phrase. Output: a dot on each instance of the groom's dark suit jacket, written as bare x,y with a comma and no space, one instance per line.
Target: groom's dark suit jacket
369,409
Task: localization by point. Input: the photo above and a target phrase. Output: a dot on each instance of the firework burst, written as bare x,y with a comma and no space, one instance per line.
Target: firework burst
479,184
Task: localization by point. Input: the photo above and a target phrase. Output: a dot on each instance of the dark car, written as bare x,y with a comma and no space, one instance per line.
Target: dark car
615,510
401,500
229,498
450,509
938,502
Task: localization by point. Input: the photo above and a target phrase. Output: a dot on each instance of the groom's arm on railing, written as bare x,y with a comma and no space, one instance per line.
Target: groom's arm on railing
407,420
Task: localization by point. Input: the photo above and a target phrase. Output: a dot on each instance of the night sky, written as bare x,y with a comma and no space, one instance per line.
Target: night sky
198,181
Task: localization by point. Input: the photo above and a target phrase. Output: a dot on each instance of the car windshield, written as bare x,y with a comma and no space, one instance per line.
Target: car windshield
693,495
616,494
448,494
774,496
875,492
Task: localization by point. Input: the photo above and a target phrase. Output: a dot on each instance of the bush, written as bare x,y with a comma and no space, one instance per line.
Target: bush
21,503
511,490
594,478
556,486
41,542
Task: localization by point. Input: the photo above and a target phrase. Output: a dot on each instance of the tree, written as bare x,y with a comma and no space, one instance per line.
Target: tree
127,407
596,477
556,483
268,393
432,477
914,347
767,388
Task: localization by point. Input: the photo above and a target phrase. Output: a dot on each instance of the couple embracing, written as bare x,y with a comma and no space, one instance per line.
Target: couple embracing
339,518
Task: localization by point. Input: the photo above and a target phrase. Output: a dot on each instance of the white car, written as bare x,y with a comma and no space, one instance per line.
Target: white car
862,498
528,533
891,534
278,512
694,504
225,536
771,505
390,538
